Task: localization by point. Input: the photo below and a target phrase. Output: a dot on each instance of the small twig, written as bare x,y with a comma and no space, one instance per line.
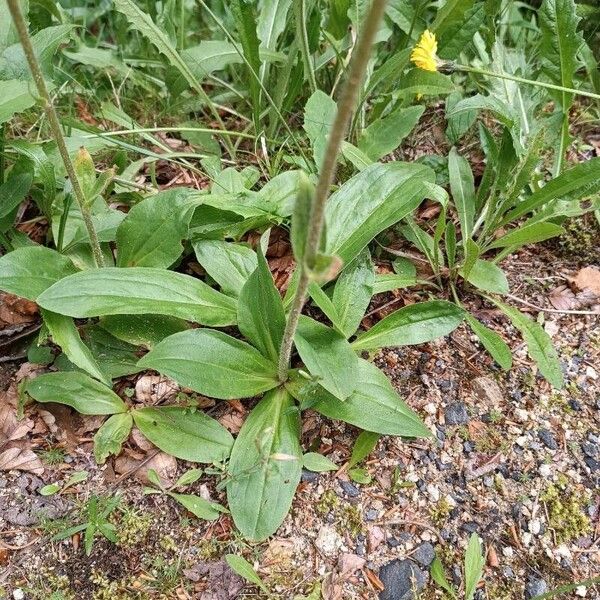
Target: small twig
552,310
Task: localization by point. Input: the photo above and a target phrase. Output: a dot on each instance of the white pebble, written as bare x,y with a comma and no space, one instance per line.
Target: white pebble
535,526
581,591
18,594
508,551
521,415
545,470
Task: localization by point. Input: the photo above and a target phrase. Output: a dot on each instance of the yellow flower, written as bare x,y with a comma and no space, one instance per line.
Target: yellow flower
424,53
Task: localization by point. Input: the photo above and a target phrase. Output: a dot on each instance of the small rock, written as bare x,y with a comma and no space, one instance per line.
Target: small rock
402,579
576,405
350,489
424,554
375,536
470,527
309,476
18,594
545,470
328,541
433,491
547,438
592,463
590,449
456,414
371,514
535,587
392,542
521,415
535,526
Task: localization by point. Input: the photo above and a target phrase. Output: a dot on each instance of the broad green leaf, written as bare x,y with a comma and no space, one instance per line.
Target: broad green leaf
363,446
426,83
492,342
357,157
227,263
527,234
184,432
459,124
198,506
360,475
111,435
488,277
462,187
539,344
352,293
323,301
478,102
474,563
15,97
370,202
385,134
459,33
188,478
212,363
319,113
472,253
244,569
580,181
260,315
438,575
50,489
387,74
414,324
313,461
265,466
12,193
374,406
65,334
151,233
560,43
301,217
138,290
450,13
78,390
142,330
328,357
28,271
390,281
272,21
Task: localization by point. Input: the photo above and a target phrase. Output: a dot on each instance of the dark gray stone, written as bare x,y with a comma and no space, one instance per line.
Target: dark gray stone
424,554
547,439
590,449
535,587
456,414
309,476
576,405
350,489
371,514
402,579
592,463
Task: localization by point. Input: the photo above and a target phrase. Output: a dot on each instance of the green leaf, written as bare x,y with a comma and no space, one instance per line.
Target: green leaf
560,44
212,363
426,83
370,202
142,330
227,263
319,113
77,390
488,277
414,324
111,435
363,446
272,21
385,134
188,478
438,575
474,563
12,193
390,281
265,466
30,270
358,158
201,508
539,344
450,13
328,357
492,342
313,461
374,406
460,33
184,432
261,317
244,569
151,233
360,475
50,489
580,181
462,187
301,216
352,293
138,290
65,334
527,234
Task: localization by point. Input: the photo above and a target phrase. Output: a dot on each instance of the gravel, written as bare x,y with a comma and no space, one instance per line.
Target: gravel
456,414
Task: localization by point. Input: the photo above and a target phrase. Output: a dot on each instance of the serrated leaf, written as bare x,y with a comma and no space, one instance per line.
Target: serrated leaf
213,363
414,324
138,290
261,487
185,433
77,390
111,435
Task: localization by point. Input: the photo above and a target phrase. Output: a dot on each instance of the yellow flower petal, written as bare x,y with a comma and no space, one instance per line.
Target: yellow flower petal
424,53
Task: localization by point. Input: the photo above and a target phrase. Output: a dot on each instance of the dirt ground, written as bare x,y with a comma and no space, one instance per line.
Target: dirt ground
513,460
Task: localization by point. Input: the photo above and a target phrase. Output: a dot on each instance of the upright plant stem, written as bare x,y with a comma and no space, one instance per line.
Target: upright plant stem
302,35
38,78
346,106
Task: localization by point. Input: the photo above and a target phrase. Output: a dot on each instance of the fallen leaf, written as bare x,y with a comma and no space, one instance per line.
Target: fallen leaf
562,298
152,389
349,563
164,464
588,278
21,459
221,582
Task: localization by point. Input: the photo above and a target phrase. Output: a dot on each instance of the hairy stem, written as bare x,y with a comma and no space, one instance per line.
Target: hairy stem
302,35
38,78
346,106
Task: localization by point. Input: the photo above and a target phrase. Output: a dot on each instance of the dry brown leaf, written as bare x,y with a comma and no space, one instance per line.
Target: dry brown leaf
588,278
15,310
562,298
140,440
152,389
349,563
10,428
21,459
164,465
232,421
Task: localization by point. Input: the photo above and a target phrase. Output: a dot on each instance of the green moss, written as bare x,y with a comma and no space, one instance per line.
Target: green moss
440,512
350,519
52,456
566,511
327,502
132,527
579,239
